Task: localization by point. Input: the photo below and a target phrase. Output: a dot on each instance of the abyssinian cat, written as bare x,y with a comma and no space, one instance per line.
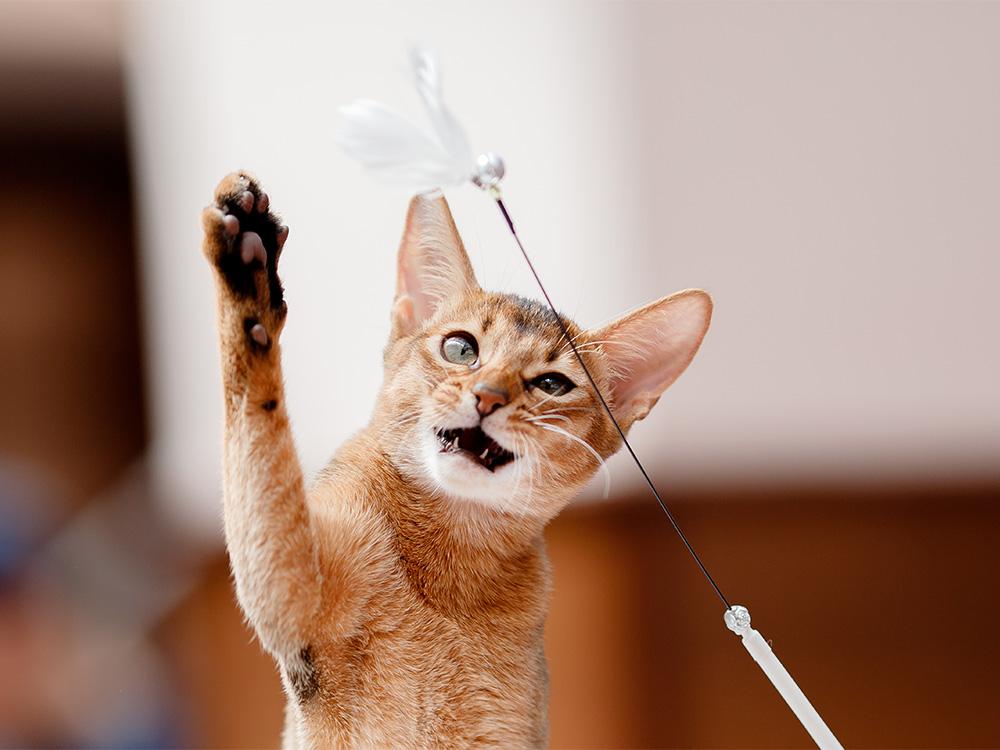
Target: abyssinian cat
403,594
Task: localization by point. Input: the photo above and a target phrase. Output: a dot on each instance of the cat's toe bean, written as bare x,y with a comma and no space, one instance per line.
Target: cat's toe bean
281,234
252,247
245,201
231,225
259,334
262,203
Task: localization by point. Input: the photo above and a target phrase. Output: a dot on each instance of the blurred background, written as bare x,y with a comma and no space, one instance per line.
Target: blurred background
829,171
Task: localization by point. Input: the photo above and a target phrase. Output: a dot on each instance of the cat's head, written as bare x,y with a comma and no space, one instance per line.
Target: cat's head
483,398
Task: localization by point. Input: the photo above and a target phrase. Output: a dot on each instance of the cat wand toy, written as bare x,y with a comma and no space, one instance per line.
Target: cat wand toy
397,151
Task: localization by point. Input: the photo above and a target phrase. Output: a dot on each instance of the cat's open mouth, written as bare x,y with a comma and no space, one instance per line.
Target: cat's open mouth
477,445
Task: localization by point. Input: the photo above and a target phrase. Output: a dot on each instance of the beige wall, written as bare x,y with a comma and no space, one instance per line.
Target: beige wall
828,171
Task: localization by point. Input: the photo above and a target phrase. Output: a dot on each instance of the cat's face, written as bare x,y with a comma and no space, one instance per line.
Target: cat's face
501,411
484,399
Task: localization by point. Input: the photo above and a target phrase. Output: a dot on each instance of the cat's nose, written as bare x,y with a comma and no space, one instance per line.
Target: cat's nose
489,398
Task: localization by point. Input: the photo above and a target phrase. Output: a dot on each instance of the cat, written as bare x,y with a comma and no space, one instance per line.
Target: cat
403,594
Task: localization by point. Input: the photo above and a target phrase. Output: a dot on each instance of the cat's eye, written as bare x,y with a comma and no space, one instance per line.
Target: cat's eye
553,383
460,348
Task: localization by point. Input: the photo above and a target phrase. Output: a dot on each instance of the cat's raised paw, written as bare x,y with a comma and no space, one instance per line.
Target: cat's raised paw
243,240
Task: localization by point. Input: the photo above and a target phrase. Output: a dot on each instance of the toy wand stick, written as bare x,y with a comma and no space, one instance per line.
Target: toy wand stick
397,151
489,171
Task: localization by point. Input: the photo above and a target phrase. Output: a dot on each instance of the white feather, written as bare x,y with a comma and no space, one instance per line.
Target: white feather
396,150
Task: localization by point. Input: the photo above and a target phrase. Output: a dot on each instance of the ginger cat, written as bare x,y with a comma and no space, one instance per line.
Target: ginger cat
403,595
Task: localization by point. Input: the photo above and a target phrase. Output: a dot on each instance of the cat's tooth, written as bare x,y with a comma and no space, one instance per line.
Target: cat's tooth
482,456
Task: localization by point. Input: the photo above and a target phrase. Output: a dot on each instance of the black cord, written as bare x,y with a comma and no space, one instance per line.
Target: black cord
600,396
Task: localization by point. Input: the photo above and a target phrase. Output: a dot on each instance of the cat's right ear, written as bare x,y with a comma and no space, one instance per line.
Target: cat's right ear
433,265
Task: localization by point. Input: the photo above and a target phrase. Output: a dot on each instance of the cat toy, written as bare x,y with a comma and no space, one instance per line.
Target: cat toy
397,151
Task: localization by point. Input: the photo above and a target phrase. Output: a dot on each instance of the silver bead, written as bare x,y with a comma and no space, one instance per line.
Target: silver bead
737,619
489,171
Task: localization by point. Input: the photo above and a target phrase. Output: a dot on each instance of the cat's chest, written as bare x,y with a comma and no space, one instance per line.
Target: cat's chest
416,678
451,653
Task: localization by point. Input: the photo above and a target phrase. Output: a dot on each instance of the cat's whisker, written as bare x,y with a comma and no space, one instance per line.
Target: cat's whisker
518,474
600,461
521,450
520,471
411,417
393,428
581,333
566,347
529,443
532,468
400,422
547,398
542,417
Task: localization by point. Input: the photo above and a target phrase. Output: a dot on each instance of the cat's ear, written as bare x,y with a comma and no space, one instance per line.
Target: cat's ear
649,348
433,265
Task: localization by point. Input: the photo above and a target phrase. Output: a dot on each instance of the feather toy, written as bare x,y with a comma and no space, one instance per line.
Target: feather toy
396,150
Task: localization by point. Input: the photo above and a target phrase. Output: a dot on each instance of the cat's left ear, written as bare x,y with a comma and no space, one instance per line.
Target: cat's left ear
649,348
433,266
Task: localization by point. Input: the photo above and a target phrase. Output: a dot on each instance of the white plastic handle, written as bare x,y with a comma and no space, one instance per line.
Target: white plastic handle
738,620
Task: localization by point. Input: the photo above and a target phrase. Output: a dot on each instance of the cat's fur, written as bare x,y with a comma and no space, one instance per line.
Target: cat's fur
404,593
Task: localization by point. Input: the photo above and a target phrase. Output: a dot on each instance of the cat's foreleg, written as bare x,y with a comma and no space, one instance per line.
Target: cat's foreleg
267,525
